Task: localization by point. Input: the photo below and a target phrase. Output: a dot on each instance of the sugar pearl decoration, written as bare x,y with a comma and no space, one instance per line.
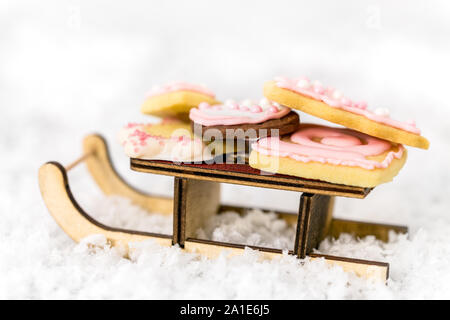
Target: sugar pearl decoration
303,83
231,104
383,112
337,94
273,109
264,102
361,105
256,109
319,89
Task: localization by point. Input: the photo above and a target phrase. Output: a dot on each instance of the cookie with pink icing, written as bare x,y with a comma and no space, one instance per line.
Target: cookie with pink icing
331,104
175,99
336,155
168,140
261,117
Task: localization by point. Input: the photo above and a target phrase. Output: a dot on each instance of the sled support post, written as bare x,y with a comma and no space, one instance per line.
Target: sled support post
194,202
314,220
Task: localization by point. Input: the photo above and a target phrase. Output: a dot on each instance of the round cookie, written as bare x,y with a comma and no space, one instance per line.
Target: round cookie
247,120
335,155
176,99
329,104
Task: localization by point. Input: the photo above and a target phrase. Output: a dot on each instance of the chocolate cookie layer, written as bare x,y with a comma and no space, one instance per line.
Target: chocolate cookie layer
246,131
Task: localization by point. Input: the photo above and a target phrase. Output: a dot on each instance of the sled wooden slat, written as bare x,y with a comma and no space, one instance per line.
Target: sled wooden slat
362,268
243,174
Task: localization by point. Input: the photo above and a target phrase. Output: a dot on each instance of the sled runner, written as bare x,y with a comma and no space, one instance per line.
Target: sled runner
196,197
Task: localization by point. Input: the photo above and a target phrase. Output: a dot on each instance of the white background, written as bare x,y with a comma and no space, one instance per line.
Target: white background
68,68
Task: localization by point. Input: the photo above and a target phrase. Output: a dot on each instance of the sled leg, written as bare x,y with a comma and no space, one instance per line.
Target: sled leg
98,162
314,218
195,201
58,198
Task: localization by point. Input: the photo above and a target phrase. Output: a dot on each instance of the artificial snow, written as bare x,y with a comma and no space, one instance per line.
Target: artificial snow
256,228
69,69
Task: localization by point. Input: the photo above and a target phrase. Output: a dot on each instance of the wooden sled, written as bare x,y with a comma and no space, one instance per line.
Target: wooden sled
197,197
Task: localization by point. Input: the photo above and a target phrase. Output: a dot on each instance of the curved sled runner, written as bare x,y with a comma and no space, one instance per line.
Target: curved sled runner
197,196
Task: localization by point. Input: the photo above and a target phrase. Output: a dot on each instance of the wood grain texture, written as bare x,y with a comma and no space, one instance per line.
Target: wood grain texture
314,219
243,174
100,167
197,201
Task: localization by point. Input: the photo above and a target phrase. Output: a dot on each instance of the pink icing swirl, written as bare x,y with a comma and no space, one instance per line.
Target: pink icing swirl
331,145
233,113
334,98
179,86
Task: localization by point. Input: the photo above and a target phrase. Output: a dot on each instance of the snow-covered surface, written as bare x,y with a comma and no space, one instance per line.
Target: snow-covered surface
69,68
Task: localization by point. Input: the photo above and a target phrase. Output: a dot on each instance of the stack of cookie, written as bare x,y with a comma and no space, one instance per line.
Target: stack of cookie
368,152
217,132
172,138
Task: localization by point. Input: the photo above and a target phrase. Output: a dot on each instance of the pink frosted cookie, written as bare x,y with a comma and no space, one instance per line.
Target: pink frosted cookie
330,104
168,140
245,115
176,99
334,155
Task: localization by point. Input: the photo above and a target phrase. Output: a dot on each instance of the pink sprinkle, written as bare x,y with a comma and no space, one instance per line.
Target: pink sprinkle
143,143
361,105
411,122
132,125
136,150
256,109
319,89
